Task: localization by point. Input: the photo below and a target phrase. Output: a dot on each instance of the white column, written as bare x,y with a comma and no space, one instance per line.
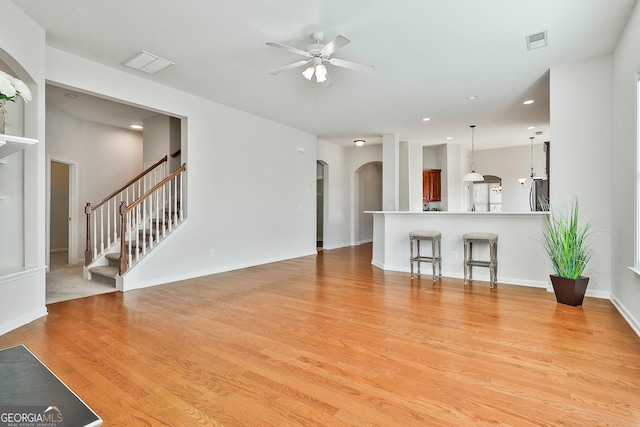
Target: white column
390,172
415,176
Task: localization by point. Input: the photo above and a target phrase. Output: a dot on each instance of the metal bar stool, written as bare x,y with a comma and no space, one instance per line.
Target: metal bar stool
489,238
434,259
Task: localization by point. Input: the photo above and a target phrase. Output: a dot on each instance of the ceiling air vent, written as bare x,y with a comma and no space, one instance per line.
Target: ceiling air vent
147,62
535,41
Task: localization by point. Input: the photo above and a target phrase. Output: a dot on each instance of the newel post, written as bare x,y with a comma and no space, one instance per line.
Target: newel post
123,249
88,256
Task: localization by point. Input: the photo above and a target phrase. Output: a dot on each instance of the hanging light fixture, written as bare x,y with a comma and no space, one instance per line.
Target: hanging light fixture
526,182
473,175
316,68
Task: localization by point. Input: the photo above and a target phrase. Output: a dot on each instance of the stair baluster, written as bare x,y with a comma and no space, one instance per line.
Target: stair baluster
100,238
137,219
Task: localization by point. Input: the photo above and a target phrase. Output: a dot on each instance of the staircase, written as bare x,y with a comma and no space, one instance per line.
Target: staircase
145,211
107,273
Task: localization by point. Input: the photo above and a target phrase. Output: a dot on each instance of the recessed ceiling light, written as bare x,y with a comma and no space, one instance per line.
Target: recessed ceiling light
472,97
531,127
449,137
528,101
137,127
426,119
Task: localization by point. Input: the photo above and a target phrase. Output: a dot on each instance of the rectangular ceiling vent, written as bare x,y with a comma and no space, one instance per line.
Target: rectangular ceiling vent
146,62
538,132
536,41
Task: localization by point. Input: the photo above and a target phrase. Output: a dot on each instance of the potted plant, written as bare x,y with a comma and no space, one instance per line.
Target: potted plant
567,244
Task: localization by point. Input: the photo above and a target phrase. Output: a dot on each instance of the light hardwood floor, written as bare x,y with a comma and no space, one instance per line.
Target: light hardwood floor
330,340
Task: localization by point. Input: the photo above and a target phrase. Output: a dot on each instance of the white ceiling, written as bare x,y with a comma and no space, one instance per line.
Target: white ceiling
429,56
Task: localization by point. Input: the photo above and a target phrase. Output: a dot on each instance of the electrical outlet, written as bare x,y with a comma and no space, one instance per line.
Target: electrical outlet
454,255
213,253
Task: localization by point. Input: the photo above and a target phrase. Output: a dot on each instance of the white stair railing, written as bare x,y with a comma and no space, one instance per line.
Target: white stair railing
102,219
146,221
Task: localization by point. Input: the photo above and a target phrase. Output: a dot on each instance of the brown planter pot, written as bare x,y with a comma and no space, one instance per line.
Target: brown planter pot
569,291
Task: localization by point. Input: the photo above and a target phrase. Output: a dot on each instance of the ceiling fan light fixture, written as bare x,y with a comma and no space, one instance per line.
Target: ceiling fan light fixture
321,73
308,73
316,54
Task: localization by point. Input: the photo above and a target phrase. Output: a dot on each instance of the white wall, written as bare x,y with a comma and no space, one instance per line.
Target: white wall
370,196
12,247
625,285
251,182
22,294
455,172
404,178
337,221
581,141
358,157
157,139
511,163
12,212
107,158
390,172
415,187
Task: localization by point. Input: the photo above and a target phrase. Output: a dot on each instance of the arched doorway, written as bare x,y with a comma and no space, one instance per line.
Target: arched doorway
368,197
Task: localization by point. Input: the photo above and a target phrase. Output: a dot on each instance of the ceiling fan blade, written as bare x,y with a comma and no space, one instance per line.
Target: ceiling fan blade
290,49
351,65
290,66
335,44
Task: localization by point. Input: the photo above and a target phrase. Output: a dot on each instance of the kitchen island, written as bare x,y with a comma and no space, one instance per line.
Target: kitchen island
521,256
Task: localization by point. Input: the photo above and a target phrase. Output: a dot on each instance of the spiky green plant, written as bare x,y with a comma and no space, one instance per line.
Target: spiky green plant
566,242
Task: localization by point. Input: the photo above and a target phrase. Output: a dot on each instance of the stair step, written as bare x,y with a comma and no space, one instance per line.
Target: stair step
104,274
114,259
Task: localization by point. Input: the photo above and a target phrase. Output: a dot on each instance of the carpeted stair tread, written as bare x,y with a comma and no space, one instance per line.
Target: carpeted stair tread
105,270
104,274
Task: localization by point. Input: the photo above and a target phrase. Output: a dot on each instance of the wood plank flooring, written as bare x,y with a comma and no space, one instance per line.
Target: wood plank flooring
330,340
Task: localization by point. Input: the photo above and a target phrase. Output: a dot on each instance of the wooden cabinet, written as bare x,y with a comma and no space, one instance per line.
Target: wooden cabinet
431,188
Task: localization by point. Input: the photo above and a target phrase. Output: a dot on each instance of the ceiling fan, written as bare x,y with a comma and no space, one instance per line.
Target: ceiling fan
316,55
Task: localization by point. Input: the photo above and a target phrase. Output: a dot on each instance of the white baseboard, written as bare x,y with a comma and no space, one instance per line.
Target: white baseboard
343,245
626,314
22,320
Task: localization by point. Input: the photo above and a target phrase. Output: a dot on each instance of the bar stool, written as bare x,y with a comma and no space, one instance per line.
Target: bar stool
489,238
435,258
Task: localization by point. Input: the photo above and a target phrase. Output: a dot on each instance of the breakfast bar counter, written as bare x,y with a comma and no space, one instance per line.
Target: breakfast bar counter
521,256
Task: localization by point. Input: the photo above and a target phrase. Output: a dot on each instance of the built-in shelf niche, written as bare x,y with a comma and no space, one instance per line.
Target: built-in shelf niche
10,144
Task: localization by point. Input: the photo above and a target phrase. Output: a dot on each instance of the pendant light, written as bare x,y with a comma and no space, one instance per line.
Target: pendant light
473,175
529,181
